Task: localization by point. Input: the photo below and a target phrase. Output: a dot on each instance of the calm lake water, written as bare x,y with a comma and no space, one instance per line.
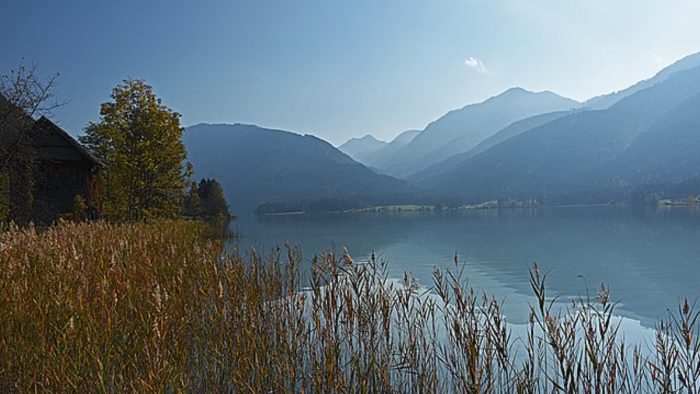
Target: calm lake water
650,258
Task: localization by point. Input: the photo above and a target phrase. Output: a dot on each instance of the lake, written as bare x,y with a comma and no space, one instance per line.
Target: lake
649,257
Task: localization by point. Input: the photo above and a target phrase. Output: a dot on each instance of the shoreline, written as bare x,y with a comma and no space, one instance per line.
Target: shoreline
423,208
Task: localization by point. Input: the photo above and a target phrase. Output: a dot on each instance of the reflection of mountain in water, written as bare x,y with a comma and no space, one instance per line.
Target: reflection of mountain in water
647,257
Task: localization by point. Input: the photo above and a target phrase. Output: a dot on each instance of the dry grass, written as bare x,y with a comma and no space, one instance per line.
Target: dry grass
154,308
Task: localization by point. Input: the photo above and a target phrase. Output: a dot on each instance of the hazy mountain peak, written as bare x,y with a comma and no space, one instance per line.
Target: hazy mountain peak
607,100
256,165
686,63
651,134
379,156
516,90
370,137
366,139
405,136
360,147
513,93
462,129
247,128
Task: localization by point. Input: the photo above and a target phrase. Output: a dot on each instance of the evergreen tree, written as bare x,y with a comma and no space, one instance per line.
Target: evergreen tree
206,200
193,203
213,199
138,141
212,196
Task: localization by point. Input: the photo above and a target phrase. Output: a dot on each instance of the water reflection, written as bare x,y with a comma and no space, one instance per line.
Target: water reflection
648,257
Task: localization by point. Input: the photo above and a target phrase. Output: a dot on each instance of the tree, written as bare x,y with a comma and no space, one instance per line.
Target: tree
138,141
206,200
23,96
212,198
193,204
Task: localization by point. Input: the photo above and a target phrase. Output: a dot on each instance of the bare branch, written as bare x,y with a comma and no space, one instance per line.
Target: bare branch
24,96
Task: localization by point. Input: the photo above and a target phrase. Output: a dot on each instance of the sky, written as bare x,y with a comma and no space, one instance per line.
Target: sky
339,69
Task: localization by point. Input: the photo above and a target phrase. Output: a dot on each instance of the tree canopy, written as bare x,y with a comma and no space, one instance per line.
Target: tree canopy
138,141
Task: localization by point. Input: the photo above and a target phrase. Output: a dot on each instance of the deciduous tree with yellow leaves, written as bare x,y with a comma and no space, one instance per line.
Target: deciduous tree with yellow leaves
138,141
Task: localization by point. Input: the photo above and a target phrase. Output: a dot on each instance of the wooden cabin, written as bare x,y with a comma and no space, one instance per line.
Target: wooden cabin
64,169
44,170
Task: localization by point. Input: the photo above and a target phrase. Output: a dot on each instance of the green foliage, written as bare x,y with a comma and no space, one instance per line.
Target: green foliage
80,209
212,198
138,141
193,204
206,199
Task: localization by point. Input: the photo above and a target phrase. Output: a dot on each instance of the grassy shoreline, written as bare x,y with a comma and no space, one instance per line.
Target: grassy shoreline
155,307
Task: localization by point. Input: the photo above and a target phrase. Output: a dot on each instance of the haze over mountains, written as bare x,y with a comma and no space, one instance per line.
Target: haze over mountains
517,146
570,158
374,153
256,165
510,131
361,149
605,101
460,130
379,157
665,154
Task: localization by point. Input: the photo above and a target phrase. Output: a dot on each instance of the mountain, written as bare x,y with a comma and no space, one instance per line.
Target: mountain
559,158
460,130
372,152
404,138
510,131
668,152
361,148
257,165
605,101
379,156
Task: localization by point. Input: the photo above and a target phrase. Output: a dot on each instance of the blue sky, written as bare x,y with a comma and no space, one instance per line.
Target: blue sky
340,68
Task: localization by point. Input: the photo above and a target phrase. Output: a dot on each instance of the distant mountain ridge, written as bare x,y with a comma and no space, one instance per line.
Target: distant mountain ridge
381,155
362,148
569,156
510,131
373,152
630,145
460,130
667,152
256,165
607,100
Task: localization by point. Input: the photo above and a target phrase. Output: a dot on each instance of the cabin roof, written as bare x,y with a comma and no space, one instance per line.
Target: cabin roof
53,142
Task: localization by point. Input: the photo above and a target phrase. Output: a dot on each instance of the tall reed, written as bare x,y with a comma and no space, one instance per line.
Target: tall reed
157,308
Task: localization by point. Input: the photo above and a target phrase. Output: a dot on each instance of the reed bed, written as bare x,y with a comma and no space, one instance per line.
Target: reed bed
157,308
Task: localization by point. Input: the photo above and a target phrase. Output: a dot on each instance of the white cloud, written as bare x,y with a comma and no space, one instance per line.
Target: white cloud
476,65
